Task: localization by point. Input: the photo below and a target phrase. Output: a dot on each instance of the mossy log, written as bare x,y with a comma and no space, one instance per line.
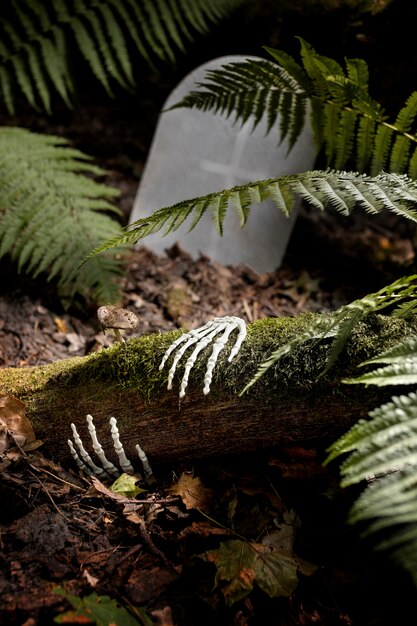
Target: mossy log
291,404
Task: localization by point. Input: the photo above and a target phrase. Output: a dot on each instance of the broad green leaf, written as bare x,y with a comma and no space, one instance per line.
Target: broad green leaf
270,565
99,610
126,486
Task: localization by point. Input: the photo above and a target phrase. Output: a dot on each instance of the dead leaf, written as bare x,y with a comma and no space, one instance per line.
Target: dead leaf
145,584
192,492
106,491
14,423
76,342
164,616
61,325
204,529
178,301
92,580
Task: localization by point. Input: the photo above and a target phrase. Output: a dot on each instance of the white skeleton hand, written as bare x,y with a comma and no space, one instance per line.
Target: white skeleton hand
202,336
87,464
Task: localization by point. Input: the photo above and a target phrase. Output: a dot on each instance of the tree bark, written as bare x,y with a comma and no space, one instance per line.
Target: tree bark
291,404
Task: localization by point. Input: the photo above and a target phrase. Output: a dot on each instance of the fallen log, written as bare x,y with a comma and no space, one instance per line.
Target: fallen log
290,404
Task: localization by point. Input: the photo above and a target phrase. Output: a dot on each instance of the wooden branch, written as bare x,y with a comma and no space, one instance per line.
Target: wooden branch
290,404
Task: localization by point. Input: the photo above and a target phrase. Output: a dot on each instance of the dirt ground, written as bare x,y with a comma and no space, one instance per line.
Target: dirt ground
74,552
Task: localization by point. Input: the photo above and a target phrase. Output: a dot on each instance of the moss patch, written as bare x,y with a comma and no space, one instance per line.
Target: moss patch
135,364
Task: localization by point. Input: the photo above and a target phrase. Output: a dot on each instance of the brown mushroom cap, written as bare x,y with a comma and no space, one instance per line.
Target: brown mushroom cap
116,317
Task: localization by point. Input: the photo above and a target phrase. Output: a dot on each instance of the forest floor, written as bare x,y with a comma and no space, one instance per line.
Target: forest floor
180,552
74,551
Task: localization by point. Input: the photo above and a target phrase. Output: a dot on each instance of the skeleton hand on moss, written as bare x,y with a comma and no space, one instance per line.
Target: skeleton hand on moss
200,338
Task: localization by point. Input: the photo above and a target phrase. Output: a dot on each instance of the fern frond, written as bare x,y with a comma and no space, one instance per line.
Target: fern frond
52,214
340,324
344,117
38,40
257,88
319,68
381,444
383,450
342,191
400,152
405,309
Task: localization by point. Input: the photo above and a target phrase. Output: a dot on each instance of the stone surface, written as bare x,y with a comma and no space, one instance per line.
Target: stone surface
195,153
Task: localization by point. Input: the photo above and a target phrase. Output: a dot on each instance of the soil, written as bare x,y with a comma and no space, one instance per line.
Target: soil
65,536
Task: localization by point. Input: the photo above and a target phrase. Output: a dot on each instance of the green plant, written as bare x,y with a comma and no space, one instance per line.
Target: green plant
38,41
51,215
382,455
52,212
343,191
351,126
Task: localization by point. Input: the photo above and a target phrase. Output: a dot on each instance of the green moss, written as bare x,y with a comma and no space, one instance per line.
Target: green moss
135,364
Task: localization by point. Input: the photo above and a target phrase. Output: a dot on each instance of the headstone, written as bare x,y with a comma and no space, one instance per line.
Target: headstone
195,153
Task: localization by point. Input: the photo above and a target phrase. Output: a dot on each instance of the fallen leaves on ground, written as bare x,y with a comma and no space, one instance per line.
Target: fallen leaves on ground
140,556
271,565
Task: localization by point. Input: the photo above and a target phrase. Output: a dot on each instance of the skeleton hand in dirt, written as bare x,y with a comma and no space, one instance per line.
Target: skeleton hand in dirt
220,327
107,469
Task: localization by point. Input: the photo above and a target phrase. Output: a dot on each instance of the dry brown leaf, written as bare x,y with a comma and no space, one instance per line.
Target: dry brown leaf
61,325
14,423
192,492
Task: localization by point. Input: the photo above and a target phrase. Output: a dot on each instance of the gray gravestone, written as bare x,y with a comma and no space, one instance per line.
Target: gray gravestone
195,153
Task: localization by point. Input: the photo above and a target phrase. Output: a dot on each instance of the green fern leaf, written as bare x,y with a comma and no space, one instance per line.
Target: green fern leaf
345,138
383,452
351,125
253,88
318,68
381,150
52,213
405,350
88,48
294,71
37,41
358,72
405,309
365,139
397,374
340,190
402,145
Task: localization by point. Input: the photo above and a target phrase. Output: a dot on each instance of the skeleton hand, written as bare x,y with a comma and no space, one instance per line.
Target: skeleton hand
108,470
202,336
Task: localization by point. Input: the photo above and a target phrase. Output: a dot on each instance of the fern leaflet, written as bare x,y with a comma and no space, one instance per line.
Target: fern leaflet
383,452
400,368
